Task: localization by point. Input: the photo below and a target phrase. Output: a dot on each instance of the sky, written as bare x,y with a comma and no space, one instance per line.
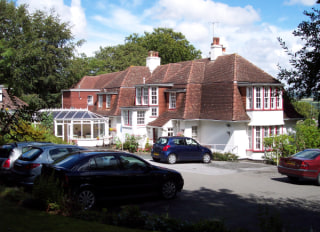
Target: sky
249,28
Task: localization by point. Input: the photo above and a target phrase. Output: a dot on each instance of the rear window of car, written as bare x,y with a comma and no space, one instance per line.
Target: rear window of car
162,141
31,155
307,154
5,151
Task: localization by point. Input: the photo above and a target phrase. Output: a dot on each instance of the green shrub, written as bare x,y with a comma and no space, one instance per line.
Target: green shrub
131,143
49,191
228,156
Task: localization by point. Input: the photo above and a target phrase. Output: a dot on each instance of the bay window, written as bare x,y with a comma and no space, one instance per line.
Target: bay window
263,98
249,98
258,99
256,135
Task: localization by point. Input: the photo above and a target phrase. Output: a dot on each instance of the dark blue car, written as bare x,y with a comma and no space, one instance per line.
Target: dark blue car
173,149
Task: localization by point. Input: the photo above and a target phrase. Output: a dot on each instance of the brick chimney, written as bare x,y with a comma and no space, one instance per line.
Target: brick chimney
153,60
216,49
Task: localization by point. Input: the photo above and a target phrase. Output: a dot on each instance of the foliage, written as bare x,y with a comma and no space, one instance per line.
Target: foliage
49,191
118,58
35,51
26,125
131,143
281,145
306,109
304,77
228,156
307,135
147,146
172,46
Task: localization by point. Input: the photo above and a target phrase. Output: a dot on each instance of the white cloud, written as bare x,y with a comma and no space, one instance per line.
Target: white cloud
302,2
202,11
123,20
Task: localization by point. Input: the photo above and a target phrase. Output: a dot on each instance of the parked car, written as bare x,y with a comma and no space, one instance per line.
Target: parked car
99,175
173,149
28,166
10,152
303,165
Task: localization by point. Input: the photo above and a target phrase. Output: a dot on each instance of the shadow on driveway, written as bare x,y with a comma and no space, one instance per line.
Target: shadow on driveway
239,212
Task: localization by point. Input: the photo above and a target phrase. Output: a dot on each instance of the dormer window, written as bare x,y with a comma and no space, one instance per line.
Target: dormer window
142,96
172,100
100,101
108,101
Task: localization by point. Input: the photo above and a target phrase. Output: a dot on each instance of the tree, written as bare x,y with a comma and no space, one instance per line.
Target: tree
35,51
172,46
304,77
306,109
120,57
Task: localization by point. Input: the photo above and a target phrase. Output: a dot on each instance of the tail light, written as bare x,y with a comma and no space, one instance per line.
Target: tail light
304,165
31,166
6,164
166,148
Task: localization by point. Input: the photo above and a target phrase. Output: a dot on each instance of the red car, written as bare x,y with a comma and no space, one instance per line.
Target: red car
303,165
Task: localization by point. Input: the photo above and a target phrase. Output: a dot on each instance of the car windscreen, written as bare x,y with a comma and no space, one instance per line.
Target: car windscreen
31,155
5,151
307,154
67,162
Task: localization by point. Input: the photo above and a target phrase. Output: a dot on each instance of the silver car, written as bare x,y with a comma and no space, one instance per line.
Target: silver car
28,166
10,152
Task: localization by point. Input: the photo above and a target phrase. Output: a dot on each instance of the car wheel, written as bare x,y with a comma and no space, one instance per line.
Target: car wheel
86,198
206,158
172,159
169,190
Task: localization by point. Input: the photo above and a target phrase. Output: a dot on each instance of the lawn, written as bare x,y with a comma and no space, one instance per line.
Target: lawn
15,218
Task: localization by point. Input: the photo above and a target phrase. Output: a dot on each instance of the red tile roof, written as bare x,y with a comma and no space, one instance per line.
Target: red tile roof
11,102
212,90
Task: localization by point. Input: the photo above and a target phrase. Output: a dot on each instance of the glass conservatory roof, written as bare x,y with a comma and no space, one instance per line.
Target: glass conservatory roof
70,114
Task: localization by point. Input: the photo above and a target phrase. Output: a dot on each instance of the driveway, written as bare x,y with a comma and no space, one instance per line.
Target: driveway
243,194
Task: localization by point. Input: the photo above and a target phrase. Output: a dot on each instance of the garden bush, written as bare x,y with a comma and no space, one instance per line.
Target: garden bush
228,156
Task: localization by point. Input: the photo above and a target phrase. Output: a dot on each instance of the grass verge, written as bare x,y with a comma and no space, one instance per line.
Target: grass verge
15,218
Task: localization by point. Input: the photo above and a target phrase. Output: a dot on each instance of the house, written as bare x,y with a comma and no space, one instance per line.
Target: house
9,102
224,101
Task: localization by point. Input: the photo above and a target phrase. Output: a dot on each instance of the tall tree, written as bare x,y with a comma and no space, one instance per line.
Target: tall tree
172,46
304,77
120,57
35,51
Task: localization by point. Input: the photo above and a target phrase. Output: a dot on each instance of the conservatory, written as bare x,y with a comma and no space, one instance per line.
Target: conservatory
80,126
